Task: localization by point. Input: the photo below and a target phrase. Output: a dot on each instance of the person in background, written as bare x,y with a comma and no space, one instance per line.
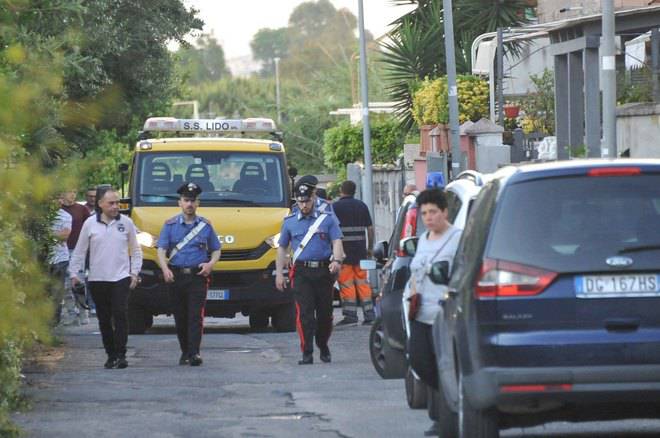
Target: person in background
58,259
357,228
409,189
115,260
90,203
90,200
79,213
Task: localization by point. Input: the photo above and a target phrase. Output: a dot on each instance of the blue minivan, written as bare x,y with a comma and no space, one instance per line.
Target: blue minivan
553,306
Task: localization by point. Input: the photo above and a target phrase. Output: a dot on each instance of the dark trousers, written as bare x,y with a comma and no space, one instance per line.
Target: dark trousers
188,295
422,354
111,298
312,290
58,272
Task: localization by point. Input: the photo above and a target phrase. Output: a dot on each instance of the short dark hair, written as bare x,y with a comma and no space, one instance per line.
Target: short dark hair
433,196
347,187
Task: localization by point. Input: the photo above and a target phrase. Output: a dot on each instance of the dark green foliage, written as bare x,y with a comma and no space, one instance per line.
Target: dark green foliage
344,144
417,51
204,62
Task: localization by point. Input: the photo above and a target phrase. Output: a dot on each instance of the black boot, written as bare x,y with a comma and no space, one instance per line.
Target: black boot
110,363
325,355
307,359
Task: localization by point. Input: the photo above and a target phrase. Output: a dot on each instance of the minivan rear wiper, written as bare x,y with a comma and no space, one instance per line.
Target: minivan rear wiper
640,248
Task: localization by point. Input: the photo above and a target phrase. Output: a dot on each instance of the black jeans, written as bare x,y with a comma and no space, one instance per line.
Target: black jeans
312,291
188,295
111,298
422,354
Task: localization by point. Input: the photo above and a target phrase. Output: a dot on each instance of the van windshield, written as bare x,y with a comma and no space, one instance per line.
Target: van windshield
574,224
226,178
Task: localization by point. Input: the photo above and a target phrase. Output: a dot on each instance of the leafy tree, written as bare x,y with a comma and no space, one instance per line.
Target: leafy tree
268,44
417,51
343,144
204,62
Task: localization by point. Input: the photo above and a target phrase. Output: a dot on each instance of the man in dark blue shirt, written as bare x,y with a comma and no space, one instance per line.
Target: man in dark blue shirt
356,226
188,239
314,237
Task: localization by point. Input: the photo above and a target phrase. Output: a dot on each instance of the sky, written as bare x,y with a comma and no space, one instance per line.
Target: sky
234,23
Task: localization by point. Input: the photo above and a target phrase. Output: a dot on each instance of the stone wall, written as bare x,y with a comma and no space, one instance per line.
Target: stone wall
638,129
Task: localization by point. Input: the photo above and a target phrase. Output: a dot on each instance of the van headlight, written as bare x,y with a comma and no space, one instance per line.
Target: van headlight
146,239
274,241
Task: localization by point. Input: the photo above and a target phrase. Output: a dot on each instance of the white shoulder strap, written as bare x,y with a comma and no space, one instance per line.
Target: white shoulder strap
190,236
310,232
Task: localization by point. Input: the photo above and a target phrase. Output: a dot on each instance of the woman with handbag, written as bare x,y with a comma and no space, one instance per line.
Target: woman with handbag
438,243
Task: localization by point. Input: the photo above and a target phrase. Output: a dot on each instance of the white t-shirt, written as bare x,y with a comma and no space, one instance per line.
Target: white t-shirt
428,252
60,253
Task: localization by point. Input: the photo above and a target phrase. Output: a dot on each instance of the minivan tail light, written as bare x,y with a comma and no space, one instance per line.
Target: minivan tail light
409,228
499,278
614,171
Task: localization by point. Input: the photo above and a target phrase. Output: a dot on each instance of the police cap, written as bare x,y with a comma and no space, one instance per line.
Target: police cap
189,190
303,192
308,180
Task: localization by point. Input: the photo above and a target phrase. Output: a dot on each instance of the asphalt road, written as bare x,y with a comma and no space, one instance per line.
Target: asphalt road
249,386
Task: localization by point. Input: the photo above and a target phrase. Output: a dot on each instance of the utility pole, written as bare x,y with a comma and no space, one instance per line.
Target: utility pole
450,59
500,76
608,73
277,89
367,192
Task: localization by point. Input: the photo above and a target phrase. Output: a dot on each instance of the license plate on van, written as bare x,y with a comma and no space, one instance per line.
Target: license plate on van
217,294
622,285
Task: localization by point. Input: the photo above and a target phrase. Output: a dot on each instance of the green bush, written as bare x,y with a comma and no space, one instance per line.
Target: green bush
431,101
344,144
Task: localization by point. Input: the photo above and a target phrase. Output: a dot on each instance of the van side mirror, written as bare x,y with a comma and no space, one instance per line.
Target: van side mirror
439,273
409,245
380,251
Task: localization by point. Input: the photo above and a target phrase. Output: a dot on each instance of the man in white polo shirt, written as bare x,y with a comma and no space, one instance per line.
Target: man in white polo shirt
115,259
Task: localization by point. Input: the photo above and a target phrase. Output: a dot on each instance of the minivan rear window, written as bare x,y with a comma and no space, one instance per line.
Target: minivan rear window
572,224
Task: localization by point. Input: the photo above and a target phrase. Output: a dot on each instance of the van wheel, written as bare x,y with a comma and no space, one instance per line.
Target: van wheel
475,423
258,320
415,391
284,318
137,320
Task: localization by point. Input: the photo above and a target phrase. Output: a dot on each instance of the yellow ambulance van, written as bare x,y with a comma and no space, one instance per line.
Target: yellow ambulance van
246,195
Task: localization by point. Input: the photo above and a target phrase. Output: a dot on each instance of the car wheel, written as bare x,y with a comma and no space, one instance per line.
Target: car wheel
388,363
258,319
475,423
284,318
415,391
137,320
442,413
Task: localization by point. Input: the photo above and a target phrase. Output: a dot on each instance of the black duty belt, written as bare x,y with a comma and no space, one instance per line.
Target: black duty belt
314,263
185,269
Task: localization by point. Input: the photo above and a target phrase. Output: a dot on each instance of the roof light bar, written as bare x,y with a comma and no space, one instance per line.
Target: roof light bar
171,124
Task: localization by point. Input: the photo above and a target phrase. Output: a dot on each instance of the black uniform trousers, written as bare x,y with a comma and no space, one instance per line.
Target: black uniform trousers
188,297
111,298
312,291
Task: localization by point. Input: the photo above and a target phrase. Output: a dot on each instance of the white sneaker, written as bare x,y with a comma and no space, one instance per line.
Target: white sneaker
83,318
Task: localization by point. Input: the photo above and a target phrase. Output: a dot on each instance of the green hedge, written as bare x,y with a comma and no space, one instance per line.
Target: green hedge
344,144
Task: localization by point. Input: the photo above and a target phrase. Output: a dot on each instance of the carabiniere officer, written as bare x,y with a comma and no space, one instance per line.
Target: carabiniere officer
188,239
313,272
